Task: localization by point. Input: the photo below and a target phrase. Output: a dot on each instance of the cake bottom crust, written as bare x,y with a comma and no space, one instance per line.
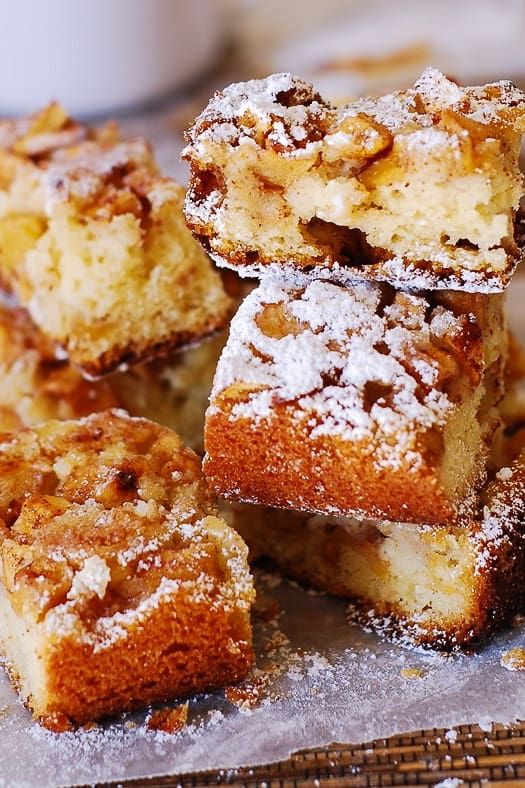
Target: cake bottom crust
120,357
397,271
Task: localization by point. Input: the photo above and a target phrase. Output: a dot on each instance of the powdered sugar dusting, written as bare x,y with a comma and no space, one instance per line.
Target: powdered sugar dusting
244,110
434,92
91,580
502,516
344,362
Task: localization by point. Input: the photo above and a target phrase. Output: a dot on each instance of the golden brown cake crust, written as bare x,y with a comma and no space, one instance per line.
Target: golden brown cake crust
271,465
113,558
119,358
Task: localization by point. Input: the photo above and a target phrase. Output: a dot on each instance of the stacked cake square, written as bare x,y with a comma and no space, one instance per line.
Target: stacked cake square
359,395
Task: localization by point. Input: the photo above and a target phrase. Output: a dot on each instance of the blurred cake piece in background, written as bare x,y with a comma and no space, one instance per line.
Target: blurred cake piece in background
351,48
93,243
36,386
173,392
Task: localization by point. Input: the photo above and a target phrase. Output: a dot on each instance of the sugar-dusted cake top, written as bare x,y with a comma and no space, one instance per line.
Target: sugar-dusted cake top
497,103
282,108
101,519
291,114
354,362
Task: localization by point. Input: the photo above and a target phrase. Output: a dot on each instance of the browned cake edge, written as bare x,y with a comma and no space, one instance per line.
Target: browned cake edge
179,649
137,352
272,464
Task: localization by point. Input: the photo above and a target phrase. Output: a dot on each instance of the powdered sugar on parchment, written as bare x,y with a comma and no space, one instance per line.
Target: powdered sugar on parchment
327,681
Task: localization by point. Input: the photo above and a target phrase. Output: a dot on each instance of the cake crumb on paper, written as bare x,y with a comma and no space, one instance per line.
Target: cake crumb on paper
168,720
412,673
513,659
247,694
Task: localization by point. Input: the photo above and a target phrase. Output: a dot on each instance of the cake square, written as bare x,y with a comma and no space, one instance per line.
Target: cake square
419,188
94,244
119,584
360,401
36,386
443,587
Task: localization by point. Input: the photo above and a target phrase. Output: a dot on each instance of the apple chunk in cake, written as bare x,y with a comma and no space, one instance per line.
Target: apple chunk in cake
419,188
362,401
93,242
119,586
441,586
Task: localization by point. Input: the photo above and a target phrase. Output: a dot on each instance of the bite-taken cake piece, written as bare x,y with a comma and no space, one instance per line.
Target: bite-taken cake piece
419,188
446,587
357,401
119,584
36,386
94,244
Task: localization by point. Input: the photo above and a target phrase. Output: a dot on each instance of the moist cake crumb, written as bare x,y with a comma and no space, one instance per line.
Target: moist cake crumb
168,720
513,659
419,188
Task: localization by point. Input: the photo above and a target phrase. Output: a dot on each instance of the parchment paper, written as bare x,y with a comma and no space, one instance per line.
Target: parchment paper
333,682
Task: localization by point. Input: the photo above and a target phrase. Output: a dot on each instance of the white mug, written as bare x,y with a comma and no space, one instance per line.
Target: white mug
99,56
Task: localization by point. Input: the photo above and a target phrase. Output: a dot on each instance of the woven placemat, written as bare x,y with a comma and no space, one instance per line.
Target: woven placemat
473,756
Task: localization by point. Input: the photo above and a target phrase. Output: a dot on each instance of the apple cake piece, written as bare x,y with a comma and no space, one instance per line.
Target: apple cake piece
36,386
419,188
446,587
94,244
361,401
119,584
